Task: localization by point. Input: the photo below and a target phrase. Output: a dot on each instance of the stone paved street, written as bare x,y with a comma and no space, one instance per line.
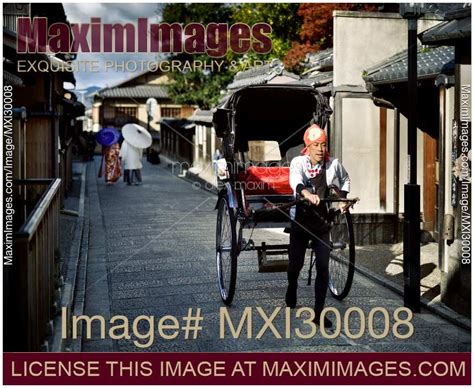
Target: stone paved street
151,252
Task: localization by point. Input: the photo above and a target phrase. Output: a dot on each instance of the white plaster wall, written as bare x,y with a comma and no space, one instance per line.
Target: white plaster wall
364,39
404,161
360,155
332,116
390,155
156,117
96,112
143,117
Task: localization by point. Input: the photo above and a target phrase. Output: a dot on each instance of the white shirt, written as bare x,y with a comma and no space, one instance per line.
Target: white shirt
131,156
335,173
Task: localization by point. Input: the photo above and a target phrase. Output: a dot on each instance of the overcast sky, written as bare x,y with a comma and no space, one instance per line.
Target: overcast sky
109,13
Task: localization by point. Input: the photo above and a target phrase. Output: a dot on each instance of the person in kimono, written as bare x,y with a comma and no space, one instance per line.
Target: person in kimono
132,163
110,164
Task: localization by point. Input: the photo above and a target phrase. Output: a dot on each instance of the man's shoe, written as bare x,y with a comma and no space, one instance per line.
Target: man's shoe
327,322
290,297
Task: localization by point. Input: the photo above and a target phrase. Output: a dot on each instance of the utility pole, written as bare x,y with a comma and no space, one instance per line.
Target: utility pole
151,105
411,224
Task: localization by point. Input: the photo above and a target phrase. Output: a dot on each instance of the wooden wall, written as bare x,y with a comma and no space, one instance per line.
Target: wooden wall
39,143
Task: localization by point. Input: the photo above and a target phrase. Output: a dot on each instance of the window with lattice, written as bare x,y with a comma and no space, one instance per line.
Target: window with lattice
125,115
109,112
130,112
170,112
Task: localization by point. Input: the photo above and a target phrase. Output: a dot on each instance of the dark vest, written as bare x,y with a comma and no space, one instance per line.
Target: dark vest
314,218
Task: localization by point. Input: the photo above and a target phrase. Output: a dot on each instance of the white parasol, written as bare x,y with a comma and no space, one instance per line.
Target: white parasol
136,135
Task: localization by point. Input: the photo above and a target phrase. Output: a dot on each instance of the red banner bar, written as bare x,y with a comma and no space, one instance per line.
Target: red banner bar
237,368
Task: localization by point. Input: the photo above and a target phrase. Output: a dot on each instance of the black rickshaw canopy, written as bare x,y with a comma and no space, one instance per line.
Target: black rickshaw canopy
278,112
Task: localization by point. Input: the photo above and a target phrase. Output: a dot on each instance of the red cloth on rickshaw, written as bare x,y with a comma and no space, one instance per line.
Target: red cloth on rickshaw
266,181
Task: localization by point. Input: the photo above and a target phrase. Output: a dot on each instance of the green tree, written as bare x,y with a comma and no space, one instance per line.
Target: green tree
196,12
198,88
282,17
201,88
316,29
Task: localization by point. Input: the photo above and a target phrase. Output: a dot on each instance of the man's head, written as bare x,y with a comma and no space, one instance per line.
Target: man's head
315,143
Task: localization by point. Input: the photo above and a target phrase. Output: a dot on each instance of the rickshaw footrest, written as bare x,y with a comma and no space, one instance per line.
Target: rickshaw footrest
273,266
267,265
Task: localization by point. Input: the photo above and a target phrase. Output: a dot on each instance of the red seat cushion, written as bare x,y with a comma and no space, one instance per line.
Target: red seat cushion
265,181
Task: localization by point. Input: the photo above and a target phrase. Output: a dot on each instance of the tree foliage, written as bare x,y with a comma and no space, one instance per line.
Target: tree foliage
316,31
283,19
297,29
198,88
196,13
201,88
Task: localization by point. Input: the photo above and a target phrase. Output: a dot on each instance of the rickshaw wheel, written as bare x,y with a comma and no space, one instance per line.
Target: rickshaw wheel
342,256
226,251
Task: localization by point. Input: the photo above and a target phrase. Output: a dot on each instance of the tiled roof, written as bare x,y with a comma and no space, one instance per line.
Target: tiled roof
259,75
449,30
203,116
319,78
320,60
256,71
261,79
140,91
321,81
450,11
326,88
431,62
11,79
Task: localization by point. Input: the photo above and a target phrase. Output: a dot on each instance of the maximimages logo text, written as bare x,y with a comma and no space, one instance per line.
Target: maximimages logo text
213,39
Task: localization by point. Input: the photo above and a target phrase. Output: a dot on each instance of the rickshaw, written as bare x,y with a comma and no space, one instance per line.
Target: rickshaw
257,125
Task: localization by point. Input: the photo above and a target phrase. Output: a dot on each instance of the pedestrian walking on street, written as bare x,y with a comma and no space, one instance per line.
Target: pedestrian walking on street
132,164
311,174
110,164
136,138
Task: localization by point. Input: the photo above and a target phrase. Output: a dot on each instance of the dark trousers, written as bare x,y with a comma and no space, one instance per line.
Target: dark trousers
299,239
130,176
